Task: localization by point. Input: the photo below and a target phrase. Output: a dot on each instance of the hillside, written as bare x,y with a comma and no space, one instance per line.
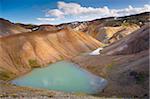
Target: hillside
134,43
108,35
21,52
125,64
9,28
109,30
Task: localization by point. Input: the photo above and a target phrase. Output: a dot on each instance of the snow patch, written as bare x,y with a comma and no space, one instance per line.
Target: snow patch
96,52
34,29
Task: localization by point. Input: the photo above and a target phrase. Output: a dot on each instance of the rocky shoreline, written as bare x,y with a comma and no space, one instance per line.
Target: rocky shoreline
9,91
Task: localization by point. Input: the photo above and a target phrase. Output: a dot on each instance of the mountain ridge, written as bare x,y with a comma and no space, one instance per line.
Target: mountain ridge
9,28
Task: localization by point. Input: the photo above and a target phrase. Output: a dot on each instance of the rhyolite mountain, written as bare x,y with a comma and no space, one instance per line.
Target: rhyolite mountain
109,30
106,30
134,43
21,52
109,35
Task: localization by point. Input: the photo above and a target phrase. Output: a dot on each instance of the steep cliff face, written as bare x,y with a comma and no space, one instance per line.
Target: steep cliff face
8,28
21,52
133,43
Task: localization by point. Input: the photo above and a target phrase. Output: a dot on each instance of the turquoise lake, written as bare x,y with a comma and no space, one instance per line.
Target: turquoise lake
63,76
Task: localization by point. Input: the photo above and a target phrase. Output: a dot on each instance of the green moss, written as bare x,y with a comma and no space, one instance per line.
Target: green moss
50,62
33,63
62,58
125,24
6,75
140,78
80,94
110,65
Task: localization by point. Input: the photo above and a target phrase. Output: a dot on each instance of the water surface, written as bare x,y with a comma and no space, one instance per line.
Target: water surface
62,76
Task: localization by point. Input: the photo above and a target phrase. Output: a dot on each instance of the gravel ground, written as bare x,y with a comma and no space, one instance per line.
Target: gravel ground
9,91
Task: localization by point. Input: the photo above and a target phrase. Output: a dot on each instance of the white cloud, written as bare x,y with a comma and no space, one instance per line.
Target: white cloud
46,19
55,13
74,9
65,10
132,10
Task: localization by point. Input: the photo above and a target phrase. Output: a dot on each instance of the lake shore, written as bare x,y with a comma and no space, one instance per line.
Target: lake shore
9,91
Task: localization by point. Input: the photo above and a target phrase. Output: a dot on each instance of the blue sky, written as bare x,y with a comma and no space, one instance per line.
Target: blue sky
60,11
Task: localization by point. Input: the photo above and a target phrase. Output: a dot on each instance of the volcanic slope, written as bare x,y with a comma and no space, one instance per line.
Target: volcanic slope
21,52
125,64
133,43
